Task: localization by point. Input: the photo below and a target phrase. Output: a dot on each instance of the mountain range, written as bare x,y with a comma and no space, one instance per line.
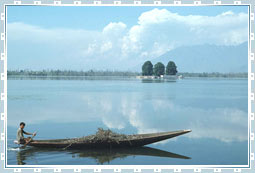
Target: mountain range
207,58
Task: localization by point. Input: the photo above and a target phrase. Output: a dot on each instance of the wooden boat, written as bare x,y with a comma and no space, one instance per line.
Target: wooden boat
134,141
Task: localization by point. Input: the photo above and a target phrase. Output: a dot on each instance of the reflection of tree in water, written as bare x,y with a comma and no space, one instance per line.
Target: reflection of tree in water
101,156
157,80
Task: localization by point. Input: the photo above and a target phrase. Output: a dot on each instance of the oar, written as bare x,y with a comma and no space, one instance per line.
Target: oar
24,146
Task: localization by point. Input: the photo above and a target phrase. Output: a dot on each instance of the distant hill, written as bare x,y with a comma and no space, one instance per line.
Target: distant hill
208,58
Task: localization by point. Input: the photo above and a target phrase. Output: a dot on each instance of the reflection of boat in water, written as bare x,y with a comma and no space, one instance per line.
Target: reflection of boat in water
100,155
107,155
130,141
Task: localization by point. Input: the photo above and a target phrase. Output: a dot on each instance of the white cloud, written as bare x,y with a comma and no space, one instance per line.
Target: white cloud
227,13
156,32
106,46
114,29
170,30
92,47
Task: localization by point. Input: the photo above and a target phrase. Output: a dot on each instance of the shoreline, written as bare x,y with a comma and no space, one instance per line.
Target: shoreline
177,77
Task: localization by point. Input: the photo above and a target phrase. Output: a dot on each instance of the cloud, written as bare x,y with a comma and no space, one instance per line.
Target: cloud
106,46
162,28
115,29
156,32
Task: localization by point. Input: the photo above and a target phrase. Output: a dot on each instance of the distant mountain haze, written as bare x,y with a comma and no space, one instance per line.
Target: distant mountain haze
192,59
208,58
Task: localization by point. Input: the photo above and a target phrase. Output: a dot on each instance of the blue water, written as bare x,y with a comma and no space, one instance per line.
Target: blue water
214,109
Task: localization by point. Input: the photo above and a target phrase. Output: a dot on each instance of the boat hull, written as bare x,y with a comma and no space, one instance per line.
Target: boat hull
136,141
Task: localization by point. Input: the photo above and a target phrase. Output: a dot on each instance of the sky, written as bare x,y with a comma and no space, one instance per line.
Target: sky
114,38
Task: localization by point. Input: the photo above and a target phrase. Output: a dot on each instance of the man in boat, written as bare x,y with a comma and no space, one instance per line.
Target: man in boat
20,132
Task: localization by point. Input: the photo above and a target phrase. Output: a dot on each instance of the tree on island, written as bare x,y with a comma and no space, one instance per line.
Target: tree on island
171,68
147,69
159,69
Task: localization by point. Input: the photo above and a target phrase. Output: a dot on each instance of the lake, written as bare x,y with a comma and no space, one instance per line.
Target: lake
216,110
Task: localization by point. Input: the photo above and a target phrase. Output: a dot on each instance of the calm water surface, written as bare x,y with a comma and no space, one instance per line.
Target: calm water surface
214,109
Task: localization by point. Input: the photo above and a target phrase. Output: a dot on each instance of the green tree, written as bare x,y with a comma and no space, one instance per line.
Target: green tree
171,68
159,69
147,69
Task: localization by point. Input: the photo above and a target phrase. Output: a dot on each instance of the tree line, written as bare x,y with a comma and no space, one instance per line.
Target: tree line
69,73
215,75
159,69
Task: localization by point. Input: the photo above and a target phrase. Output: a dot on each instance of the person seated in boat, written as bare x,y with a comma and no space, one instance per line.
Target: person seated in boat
21,132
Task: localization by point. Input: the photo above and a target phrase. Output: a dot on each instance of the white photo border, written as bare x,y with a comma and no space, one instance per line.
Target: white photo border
125,168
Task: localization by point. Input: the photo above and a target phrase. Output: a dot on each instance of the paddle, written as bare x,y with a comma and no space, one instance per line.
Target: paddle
24,146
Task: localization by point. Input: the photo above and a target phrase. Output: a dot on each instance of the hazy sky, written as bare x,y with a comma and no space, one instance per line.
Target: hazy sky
83,38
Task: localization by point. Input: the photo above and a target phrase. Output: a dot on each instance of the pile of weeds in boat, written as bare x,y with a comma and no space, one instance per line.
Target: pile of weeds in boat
101,136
